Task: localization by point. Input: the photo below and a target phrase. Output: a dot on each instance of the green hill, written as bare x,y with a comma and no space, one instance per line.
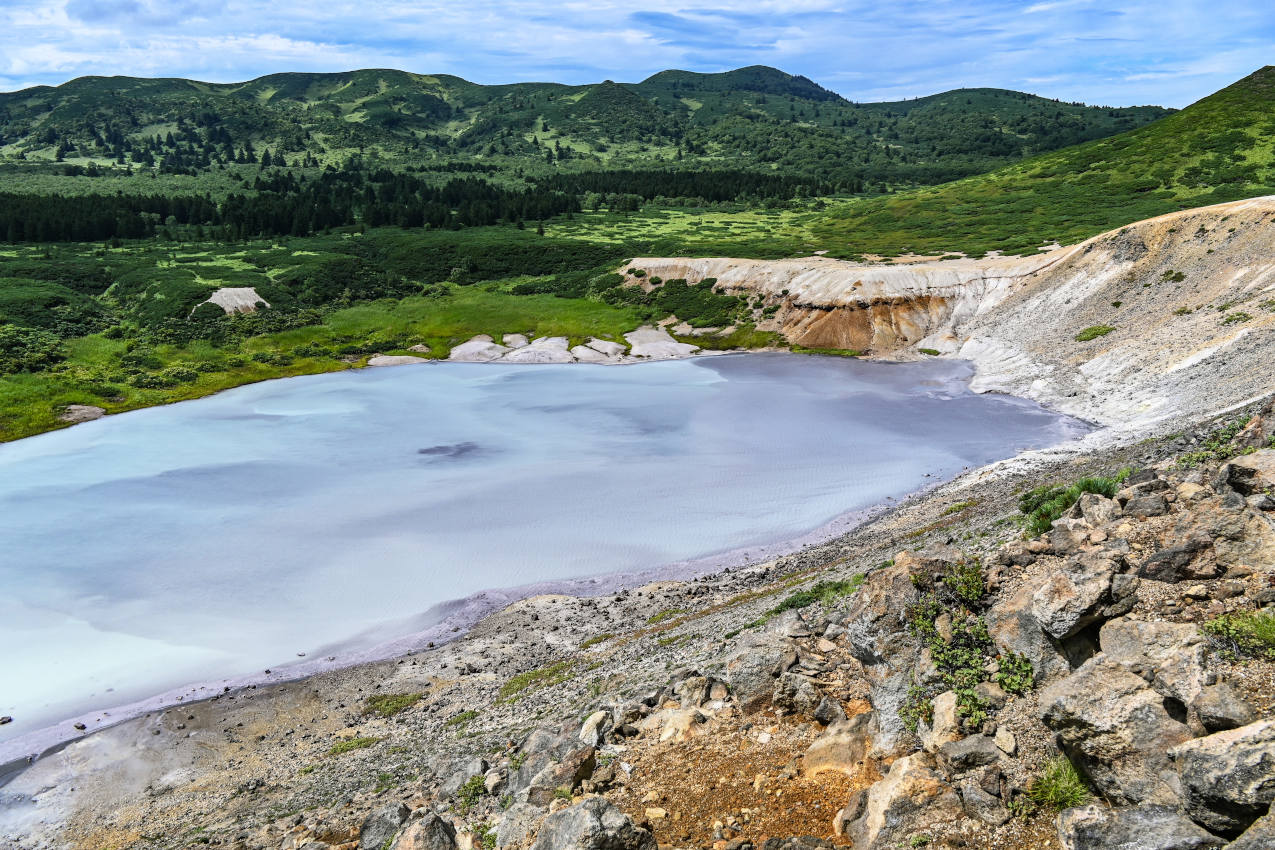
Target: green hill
752,118
1221,148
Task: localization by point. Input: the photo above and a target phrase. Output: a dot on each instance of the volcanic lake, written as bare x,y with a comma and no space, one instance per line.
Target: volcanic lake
333,517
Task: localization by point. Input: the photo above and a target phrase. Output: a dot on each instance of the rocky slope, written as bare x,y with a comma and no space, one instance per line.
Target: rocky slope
934,678
1187,298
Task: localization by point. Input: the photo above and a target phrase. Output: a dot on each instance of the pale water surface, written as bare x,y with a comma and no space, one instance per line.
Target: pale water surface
218,537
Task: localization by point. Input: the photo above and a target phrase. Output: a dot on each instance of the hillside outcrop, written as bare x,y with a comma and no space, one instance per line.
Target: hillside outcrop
1178,310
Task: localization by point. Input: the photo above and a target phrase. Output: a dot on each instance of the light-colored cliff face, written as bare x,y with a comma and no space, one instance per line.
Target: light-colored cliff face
1191,298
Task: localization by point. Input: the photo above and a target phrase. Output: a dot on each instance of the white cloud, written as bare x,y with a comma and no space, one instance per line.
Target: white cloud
1135,51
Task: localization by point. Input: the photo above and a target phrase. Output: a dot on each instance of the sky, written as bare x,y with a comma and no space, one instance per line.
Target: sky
1114,52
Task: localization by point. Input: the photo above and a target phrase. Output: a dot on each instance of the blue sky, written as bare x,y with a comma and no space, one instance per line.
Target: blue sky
1119,52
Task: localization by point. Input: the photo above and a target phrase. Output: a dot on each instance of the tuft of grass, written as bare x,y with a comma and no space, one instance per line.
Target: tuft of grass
1060,786
388,705
1093,332
1245,633
826,592
541,677
1233,318
960,506
666,614
351,744
1045,504
461,719
597,639
470,793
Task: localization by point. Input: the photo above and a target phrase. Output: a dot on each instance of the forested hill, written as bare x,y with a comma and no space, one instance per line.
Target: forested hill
751,119
1221,148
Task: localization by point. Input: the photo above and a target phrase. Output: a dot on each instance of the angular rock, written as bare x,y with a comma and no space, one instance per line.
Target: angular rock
829,711
594,824
479,349
1119,731
394,360
982,805
1173,654
1071,598
1228,778
76,413
1178,562
595,727
795,694
1098,510
574,767
945,724
843,747
429,833
517,823
1220,707
911,798
1097,827
382,825
1251,474
968,753
1013,628
750,671
1149,505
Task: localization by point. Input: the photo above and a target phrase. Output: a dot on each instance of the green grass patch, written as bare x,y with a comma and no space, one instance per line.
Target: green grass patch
1093,332
666,614
461,719
596,639
529,680
1059,786
959,506
388,705
351,744
1042,505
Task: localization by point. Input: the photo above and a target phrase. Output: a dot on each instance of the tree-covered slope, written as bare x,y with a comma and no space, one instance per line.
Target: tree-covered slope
1219,149
753,118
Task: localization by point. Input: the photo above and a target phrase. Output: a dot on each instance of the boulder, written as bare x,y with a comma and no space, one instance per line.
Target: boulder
844,747
1097,827
606,347
968,753
1098,510
1118,730
517,824
479,349
1251,474
594,824
76,413
1171,655
945,724
1073,597
575,766
546,349
829,711
1148,505
1228,778
1013,628
382,825
751,672
1178,562
1259,836
911,798
595,727
981,805
429,833
796,694
1220,707
394,360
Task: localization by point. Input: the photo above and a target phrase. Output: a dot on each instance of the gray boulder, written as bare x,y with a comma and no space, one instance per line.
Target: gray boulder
1228,778
1171,655
751,672
575,766
429,833
594,824
1119,731
382,825
1220,707
913,797
844,746
796,694
967,753
1014,628
517,823
982,805
1097,827
1073,597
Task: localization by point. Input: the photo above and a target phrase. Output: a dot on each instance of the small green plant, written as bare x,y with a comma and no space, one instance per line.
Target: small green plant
1117,304
563,793
486,835
1015,675
965,580
470,793
1060,786
1043,505
461,719
960,506
388,705
1172,276
826,592
933,352
916,707
542,677
919,840
1244,633
1183,311
1235,318
666,614
351,744
596,639
1093,332
1218,446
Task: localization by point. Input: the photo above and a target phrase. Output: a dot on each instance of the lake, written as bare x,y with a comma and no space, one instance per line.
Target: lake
328,514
